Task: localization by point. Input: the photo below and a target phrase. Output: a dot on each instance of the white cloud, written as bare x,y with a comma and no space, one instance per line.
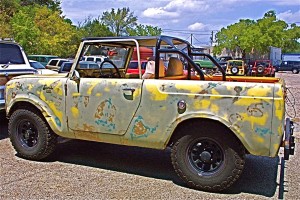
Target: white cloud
176,8
159,13
290,17
197,26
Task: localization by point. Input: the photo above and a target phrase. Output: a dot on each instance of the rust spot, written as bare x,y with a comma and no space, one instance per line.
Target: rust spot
203,92
256,110
86,100
139,128
88,128
13,95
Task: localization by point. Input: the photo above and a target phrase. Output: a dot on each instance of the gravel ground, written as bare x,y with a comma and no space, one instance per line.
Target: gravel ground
88,170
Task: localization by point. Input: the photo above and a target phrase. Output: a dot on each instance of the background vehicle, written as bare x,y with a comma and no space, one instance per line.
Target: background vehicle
96,59
13,62
133,67
236,67
293,66
43,59
210,122
40,68
263,68
54,64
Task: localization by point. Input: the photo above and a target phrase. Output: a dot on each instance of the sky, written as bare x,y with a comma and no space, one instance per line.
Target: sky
181,18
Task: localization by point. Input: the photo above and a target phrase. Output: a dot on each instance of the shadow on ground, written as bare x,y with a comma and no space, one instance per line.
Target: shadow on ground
259,176
3,126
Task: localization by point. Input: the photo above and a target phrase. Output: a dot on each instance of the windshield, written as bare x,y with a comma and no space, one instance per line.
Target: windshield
11,53
36,65
116,54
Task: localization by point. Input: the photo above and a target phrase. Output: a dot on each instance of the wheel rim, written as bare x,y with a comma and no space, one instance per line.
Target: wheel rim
205,156
27,134
295,71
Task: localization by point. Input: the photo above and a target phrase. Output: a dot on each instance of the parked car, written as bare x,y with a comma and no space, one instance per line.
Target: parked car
133,67
293,66
96,59
40,68
66,66
236,68
263,68
43,59
54,64
13,62
206,65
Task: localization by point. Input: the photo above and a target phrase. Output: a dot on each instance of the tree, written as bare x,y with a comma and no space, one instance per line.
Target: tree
51,4
251,36
120,21
43,31
94,28
144,30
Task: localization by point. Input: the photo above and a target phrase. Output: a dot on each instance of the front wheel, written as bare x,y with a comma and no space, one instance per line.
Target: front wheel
208,161
30,135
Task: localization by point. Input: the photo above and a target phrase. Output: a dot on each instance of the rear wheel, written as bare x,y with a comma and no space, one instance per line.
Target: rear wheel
208,160
30,135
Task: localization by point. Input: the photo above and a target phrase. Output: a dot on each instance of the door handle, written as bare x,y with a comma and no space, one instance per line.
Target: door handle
126,93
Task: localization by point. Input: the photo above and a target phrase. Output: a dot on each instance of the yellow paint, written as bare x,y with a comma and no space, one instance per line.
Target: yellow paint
98,95
279,109
30,86
75,111
57,112
136,93
75,94
156,95
258,139
201,104
58,89
259,91
194,89
93,84
255,120
107,89
11,86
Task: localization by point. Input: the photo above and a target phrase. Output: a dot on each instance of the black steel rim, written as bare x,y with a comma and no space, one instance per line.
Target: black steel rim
205,156
27,133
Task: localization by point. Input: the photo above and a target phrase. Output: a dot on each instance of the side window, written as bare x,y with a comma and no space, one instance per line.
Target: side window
61,62
42,59
89,59
53,62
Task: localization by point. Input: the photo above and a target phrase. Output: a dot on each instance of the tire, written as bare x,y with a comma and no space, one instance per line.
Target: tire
207,160
295,71
234,70
30,135
260,69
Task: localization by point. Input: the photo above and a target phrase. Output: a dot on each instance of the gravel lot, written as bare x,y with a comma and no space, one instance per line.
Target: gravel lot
88,170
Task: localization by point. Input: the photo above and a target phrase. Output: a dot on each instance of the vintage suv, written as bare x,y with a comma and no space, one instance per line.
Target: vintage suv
210,122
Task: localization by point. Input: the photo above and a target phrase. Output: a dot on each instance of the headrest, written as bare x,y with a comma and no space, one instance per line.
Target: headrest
175,67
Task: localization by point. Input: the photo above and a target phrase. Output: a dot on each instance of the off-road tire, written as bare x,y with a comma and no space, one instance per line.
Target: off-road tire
30,135
223,147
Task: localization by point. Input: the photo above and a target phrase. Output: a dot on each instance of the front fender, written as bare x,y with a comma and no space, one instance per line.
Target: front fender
59,127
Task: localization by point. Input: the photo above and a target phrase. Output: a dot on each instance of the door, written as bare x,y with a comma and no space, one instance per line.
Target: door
102,105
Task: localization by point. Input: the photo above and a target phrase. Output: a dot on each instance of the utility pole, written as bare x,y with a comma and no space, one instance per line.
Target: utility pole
212,38
191,39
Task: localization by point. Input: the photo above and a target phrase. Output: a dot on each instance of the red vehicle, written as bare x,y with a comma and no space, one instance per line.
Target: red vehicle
133,67
263,68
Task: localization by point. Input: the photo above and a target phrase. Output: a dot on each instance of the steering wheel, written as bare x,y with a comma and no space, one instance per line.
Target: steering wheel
112,74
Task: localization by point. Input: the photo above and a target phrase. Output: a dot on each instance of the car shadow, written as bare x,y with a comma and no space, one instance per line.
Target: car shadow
259,175
3,126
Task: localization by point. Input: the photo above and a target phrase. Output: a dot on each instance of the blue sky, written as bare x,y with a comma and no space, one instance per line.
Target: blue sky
183,17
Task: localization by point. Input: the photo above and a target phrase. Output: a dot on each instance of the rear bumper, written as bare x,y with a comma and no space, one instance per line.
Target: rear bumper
289,140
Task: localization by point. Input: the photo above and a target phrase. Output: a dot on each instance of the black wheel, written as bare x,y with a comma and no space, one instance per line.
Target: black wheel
30,135
208,160
295,71
260,69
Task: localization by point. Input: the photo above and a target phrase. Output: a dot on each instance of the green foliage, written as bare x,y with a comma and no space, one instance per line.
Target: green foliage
249,36
144,30
43,31
94,28
120,21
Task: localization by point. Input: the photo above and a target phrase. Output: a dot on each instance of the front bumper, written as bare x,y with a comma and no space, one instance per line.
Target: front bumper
289,140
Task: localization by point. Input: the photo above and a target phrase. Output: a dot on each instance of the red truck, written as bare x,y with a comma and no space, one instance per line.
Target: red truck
263,68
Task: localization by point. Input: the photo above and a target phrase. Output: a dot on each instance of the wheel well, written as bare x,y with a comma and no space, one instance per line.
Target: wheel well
27,106
202,123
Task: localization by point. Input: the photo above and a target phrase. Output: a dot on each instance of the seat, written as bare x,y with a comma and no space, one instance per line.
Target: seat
175,67
150,70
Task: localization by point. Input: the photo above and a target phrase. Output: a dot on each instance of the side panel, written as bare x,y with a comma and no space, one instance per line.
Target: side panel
246,108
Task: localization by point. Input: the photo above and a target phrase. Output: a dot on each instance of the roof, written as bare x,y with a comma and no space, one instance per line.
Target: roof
142,40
